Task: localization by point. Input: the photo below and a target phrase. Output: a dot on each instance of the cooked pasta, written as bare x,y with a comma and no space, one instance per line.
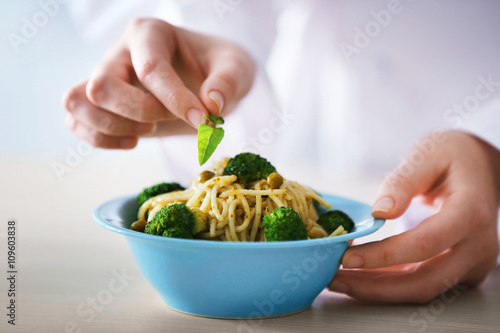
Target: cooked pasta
235,212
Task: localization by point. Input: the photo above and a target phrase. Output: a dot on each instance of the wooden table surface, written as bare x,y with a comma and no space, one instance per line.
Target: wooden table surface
68,266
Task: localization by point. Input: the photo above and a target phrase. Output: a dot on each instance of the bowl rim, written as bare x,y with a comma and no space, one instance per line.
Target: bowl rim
375,225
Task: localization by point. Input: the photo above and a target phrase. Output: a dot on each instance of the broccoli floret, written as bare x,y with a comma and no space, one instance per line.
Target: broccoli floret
248,168
176,215
157,189
177,220
177,232
333,219
283,224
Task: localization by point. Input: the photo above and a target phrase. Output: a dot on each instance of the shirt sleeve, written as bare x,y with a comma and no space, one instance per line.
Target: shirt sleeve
484,123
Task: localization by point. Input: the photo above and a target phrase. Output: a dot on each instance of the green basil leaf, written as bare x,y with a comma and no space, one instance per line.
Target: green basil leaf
208,139
210,117
215,120
218,121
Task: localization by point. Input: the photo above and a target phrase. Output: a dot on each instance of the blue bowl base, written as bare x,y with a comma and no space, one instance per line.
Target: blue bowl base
235,318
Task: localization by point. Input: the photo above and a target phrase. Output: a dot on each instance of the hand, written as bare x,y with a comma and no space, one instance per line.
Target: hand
456,245
157,80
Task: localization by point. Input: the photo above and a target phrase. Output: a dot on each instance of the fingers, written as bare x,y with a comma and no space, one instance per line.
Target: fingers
462,265
407,181
108,111
98,139
456,219
115,95
418,283
150,76
99,127
231,76
77,104
458,244
110,88
429,238
151,53
467,262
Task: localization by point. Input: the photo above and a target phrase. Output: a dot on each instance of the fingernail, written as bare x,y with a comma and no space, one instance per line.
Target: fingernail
195,117
352,261
339,287
217,98
384,205
127,142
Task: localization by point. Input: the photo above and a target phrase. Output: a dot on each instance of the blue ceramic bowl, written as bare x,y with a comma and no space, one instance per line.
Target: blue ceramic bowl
233,279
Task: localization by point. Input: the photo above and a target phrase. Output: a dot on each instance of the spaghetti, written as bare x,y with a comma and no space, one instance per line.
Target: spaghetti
235,212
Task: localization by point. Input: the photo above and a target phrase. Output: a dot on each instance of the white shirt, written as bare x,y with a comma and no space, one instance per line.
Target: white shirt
343,88
353,84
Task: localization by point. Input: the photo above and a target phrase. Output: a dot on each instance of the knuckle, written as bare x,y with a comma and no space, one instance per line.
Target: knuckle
107,126
138,22
95,138
427,246
172,99
69,99
385,254
147,68
145,23
96,88
89,135
126,109
229,81
387,257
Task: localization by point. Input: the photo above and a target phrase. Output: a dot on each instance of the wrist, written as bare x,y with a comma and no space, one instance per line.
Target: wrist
492,156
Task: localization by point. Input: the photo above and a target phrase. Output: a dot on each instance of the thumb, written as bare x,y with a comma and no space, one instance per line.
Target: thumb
392,201
230,76
404,183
